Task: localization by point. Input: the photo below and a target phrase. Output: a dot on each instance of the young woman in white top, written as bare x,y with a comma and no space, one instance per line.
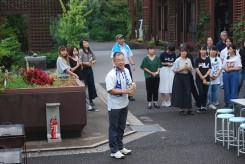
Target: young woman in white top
216,65
63,66
231,65
181,95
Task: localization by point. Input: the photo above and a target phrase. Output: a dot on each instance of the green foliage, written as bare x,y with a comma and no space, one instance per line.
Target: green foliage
162,43
3,75
10,51
6,31
117,17
202,27
54,25
51,58
238,29
9,80
71,26
96,23
99,20
151,42
18,59
16,82
19,22
140,40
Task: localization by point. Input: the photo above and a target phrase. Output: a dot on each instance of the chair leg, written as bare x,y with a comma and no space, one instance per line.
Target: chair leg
228,130
215,130
243,145
238,143
223,130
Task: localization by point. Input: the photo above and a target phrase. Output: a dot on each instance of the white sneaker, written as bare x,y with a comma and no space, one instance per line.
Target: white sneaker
168,103
164,103
217,104
125,151
117,155
211,106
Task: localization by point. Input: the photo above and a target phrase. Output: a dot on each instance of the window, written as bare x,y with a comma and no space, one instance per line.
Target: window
159,18
181,16
191,17
165,18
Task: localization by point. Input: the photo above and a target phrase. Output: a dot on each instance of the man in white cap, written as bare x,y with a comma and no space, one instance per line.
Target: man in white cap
121,46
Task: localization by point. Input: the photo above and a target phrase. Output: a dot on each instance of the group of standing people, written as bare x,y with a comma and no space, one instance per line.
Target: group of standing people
78,63
167,74
215,67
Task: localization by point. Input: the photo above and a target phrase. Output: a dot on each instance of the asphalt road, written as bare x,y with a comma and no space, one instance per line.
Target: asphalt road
187,139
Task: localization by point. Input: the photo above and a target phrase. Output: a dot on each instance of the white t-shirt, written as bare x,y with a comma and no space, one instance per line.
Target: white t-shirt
216,66
62,67
114,101
180,62
224,53
232,62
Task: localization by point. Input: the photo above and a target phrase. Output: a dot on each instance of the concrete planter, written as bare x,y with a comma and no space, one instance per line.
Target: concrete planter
28,107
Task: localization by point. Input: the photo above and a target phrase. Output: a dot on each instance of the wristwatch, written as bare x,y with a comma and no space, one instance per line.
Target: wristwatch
156,72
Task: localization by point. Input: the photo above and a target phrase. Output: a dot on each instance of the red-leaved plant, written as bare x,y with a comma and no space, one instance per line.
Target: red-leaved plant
36,77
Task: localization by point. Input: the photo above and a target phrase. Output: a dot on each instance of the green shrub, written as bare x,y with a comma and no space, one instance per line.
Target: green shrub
162,43
151,42
10,52
140,40
51,58
19,59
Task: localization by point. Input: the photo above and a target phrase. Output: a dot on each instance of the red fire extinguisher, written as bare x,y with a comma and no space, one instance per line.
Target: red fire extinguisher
54,127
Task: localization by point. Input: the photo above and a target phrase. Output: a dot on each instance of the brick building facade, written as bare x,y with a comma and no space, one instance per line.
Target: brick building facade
176,20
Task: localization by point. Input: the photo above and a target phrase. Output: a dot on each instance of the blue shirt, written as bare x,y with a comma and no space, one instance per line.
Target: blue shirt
220,45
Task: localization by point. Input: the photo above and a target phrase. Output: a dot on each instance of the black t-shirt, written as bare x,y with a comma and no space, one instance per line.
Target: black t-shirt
78,71
204,65
165,57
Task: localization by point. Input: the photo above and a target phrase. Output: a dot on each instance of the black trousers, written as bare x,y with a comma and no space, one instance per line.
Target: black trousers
203,93
193,87
130,72
89,82
152,85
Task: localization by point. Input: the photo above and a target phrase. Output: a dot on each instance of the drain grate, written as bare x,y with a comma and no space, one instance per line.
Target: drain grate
147,128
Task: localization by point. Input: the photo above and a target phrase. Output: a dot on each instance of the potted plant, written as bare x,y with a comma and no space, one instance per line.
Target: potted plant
26,105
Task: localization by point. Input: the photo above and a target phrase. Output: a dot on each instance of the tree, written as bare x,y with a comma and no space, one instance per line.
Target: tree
71,26
96,22
202,27
117,17
91,19
238,29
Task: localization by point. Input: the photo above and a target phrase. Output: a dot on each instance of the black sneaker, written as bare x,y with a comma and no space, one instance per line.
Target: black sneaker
227,105
204,110
199,110
156,106
149,106
91,103
182,112
190,112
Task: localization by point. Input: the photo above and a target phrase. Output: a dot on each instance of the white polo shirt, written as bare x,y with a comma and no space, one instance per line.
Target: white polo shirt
114,101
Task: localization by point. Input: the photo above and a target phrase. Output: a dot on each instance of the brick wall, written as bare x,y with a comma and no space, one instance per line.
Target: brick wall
39,13
171,22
